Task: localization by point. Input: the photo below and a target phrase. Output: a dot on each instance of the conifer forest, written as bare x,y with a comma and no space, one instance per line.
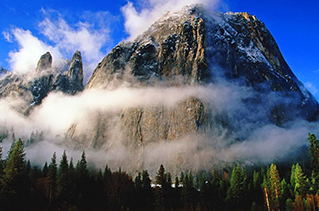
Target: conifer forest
64,184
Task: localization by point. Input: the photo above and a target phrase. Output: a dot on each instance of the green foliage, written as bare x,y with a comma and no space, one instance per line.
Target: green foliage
1,163
14,179
298,180
237,192
15,168
144,192
314,154
52,179
63,179
176,182
160,178
11,149
69,187
272,187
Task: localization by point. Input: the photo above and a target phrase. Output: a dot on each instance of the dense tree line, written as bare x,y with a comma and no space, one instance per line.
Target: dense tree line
65,186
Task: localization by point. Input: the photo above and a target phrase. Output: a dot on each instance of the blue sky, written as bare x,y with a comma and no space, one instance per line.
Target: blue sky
30,27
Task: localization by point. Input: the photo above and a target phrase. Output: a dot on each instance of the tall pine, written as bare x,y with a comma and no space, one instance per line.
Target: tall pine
52,180
298,181
83,182
272,188
14,178
314,154
63,179
237,192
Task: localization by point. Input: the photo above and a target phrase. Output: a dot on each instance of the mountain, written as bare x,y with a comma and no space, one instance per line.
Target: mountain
198,88
197,48
2,71
35,86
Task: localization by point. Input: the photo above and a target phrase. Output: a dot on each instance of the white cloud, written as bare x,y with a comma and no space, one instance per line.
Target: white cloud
62,39
7,36
311,87
89,36
137,22
30,50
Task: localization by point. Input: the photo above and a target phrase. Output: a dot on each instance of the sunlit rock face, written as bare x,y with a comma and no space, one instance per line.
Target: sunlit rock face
72,81
196,48
75,72
45,62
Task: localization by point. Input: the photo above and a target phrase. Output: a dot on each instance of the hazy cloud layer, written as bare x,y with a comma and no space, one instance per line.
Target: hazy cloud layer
139,17
260,142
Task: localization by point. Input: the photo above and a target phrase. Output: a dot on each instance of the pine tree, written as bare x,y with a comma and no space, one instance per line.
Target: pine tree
82,168
160,178
138,181
144,193
52,180
176,182
205,193
285,194
83,182
169,179
28,167
14,179
299,185
272,188
1,163
63,179
188,192
72,183
11,149
146,181
258,195
181,178
45,170
237,192
314,154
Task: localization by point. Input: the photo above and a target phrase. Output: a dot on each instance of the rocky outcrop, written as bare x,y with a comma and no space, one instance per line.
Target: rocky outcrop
76,69
45,62
32,90
72,81
69,83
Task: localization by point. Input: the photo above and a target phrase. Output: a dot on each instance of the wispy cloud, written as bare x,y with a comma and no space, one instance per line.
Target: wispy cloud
316,71
138,20
312,88
7,36
30,49
62,39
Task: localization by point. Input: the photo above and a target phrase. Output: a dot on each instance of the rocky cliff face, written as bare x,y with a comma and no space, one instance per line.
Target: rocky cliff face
45,62
33,89
193,47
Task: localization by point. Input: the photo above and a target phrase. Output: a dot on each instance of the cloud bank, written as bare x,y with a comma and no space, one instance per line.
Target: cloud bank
96,110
